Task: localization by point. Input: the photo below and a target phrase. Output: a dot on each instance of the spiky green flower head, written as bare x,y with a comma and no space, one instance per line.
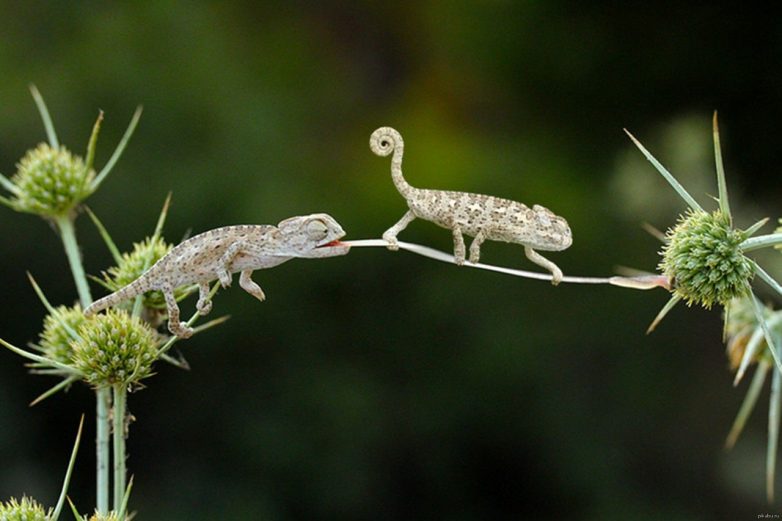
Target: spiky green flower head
114,348
27,509
111,516
57,335
50,181
703,258
134,264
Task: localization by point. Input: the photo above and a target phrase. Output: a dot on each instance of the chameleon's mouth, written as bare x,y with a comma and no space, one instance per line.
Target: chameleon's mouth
332,244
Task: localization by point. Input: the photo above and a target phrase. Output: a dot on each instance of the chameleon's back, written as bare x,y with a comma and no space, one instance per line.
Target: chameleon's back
500,219
199,257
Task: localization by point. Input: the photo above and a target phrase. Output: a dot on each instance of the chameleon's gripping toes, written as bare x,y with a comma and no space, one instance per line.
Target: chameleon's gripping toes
480,216
218,253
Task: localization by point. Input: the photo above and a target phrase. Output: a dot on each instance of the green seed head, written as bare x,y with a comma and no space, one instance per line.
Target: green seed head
114,348
111,516
27,509
50,181
55,339
703,258
132,266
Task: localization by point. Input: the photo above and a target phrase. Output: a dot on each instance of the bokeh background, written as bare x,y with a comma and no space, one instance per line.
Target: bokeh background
384,385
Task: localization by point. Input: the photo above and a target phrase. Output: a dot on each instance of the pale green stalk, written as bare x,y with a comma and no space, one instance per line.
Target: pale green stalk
773,433
103,396
68,235
120,471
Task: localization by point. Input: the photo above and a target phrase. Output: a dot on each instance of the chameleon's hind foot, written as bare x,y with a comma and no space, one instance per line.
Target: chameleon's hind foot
458,246
204,307
180,329
249,285
556,276
393,245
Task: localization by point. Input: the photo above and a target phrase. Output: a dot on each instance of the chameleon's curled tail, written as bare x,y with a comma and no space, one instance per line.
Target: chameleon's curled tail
133,289
383,142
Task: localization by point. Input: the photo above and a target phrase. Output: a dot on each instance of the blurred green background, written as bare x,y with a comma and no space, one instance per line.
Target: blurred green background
384,385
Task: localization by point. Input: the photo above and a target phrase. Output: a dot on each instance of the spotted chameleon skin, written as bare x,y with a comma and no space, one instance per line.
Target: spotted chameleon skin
218,253
476,215
500,219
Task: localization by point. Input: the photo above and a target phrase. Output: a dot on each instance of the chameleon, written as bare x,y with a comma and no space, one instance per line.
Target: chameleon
476,215
218,253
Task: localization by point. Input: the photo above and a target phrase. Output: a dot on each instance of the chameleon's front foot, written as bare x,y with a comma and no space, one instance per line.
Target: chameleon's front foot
180,329
250,286
540,260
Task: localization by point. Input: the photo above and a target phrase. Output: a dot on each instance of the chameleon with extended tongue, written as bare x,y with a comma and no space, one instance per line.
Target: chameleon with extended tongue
480,216
218,253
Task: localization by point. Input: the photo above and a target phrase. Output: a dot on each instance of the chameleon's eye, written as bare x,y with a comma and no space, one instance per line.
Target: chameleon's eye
317,229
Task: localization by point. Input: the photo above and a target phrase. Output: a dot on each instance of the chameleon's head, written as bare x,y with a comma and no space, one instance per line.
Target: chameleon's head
315,235
552,231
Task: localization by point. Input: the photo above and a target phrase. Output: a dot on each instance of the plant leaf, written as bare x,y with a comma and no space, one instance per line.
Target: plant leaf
47,120
8,185
54,389
755,227
747,406
756,307
68,473
105,235
118,151
721,186
692,203
92,142
664,311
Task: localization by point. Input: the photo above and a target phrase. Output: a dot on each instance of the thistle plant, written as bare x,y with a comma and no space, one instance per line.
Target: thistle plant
704,256
112,352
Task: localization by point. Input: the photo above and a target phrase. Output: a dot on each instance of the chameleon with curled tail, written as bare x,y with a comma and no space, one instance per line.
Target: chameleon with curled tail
483,217
218,253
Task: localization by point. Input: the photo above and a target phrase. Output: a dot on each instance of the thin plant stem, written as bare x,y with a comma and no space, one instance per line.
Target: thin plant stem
640,282
103,398
120,471
68,235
